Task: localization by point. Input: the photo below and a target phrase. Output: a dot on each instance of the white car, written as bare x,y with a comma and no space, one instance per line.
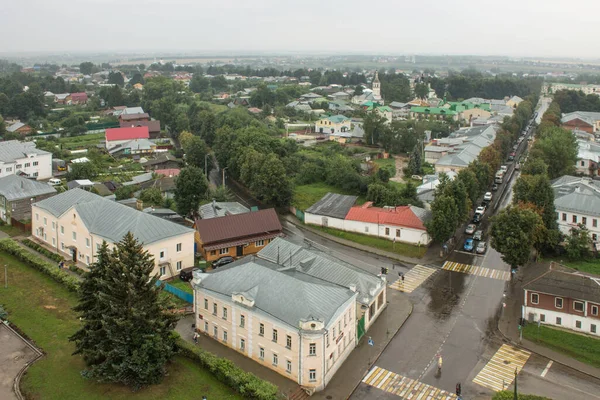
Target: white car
480,210
487,196
503,168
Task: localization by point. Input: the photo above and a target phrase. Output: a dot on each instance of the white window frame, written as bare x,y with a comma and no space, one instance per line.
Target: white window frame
87,242
582,306
312,375
275,359
62,230
178,247
162,254
224,313
312,349
206,304
162,271
224,250
261,329
242,344
261,353
288,367
179,265
225,336
259,243
45,221
53,225
562,302
594,310
242,321
537,298
74,236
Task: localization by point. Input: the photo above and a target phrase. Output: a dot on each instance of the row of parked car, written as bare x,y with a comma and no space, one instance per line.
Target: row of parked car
187,274
476,242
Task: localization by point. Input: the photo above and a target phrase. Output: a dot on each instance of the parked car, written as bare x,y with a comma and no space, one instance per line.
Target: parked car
54,182
468,246
476,218
494,187
481,247
503,168
470,229
222,261
417,177
478,235
186,274
480,210
487,196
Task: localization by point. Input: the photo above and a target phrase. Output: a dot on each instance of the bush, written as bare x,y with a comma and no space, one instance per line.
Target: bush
42,250
247,384
11,247
508,395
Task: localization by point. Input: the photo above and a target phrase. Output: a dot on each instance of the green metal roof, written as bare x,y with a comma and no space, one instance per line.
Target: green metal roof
338,119
384,109
433,110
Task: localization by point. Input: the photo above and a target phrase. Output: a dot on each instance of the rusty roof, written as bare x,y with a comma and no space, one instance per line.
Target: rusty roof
239,226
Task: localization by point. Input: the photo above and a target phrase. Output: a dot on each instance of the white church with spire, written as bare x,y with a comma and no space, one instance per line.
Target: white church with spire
376,86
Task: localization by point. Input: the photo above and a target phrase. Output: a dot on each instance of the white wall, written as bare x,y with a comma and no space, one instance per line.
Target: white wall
565,226
407,235
567,320
43,167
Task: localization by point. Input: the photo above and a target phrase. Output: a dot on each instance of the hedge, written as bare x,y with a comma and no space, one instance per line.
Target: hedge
42,250
508,395
11,247
245,383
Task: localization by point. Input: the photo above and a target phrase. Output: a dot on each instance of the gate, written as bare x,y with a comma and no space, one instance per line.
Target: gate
360,328
300,215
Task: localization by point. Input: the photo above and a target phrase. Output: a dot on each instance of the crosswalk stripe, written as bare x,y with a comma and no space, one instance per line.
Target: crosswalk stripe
499,372
476,270
413,278
404,387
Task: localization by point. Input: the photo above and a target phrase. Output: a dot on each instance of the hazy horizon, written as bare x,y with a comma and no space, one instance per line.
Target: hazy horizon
532,29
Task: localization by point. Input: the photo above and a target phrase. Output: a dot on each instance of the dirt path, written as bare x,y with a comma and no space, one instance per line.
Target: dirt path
400,163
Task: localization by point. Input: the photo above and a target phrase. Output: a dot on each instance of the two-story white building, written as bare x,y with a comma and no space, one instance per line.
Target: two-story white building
23,158
577,201
76,222
297,313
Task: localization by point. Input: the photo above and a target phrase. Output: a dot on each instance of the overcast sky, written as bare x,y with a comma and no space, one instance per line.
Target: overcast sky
554,28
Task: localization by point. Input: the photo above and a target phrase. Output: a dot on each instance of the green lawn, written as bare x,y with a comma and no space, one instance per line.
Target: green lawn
42,309
386,162
590,266
185,286
307,195
372,241
581,347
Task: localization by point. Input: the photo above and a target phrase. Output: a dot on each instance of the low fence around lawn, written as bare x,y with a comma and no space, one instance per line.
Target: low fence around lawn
183,295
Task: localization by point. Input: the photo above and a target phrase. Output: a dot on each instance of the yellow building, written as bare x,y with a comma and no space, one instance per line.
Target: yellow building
76,222
289,309
333,124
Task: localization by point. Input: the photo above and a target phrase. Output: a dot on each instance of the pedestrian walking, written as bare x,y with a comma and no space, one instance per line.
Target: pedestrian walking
402,278
196,337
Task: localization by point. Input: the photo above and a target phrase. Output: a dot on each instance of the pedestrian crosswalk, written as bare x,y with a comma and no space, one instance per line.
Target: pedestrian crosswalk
477,270
413,278
404,387
499,372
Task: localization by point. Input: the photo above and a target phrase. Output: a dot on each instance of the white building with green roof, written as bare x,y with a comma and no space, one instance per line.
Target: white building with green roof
333,124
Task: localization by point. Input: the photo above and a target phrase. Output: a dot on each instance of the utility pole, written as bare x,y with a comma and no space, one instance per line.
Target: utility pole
515,396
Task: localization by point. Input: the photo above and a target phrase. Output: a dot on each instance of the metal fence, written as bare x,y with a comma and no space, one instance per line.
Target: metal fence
183,295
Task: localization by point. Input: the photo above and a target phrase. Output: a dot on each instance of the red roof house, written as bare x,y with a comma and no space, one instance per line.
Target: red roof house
116,136
399,216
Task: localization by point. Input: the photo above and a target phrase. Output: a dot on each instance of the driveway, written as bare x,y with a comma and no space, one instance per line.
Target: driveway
14,355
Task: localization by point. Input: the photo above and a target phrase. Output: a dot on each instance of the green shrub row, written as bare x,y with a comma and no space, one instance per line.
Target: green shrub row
508,395
245,383
42,250
11,247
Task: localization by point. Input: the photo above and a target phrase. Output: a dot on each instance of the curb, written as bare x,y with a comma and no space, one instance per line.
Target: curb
515,344
335,239
40,354
382,350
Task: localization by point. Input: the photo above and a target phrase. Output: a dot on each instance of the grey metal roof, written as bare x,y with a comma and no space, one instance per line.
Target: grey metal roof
578,195
13,149
15,126
14,187
111,220
220,209
589,116
317,264
565,284
333,205
283,296
135,144
133,110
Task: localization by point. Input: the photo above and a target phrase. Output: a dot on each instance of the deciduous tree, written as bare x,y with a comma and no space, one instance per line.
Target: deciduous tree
190,188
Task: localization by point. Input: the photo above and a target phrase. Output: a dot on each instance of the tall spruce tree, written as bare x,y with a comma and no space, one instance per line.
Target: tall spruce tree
91,311
136,338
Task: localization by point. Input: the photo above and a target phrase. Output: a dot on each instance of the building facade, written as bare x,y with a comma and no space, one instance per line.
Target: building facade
577,202
24,158
565,300
76,222
333,124
305,335
17,194
236,235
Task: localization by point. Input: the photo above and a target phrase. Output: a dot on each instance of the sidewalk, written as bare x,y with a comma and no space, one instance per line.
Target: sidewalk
508,324
432,255
348,377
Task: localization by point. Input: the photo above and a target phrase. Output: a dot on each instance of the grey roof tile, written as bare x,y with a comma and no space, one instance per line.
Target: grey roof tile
13,149
14,187
565,284
333,205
